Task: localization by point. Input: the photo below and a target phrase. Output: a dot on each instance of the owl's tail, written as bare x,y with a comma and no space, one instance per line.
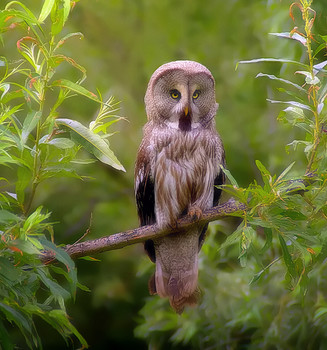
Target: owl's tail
176,273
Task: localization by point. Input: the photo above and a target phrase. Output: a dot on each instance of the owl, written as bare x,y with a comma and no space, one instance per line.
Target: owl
176,171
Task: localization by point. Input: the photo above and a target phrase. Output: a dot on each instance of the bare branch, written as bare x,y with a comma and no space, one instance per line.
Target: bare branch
141,234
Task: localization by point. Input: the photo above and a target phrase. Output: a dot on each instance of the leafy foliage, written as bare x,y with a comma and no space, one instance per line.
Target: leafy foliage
283,233
36,145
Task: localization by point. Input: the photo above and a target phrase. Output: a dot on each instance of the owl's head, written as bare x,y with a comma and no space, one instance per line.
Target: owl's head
181,95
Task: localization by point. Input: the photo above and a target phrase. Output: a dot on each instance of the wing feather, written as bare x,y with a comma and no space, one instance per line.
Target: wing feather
144,194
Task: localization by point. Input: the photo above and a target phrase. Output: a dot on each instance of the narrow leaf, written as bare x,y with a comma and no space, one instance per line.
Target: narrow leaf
294,36
292,103
29,124
76,88
309,79
229,176
319,67
66,4
92,142
62,143
68,36
46,9
280,60
273,77
283,174
287,257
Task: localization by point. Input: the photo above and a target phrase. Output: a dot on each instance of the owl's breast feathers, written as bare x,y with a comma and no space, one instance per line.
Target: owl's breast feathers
172,172
184,167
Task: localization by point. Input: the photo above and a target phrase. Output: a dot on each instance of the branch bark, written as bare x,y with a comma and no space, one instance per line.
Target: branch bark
141,234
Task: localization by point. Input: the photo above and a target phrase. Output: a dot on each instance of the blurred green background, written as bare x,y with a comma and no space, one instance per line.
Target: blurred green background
124,42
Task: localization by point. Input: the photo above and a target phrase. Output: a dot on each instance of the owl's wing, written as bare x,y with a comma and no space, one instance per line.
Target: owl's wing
144,194
219,180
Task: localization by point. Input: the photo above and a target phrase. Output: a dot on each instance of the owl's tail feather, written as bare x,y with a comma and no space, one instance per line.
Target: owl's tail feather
179,304
176,275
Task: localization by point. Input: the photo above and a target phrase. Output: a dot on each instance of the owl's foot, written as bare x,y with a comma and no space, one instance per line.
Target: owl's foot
173,224
194,212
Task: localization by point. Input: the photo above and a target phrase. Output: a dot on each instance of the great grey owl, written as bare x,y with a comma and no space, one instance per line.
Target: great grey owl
177,169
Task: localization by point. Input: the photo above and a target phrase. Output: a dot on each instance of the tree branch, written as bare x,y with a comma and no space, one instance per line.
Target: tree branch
141,234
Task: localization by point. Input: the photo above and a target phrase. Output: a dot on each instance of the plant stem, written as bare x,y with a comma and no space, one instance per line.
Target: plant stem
306,15
37,166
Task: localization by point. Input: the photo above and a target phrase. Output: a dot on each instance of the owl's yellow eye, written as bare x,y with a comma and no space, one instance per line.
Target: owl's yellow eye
175,94
196,94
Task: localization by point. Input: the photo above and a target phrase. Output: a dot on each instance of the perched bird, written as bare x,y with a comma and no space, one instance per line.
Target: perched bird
177,168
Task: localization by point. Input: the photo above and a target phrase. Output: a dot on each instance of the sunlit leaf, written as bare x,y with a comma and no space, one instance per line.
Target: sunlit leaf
30,122
76,88
46,9
68,36
319,66
273,77
280,60
293,36
292,103
92,142
309,78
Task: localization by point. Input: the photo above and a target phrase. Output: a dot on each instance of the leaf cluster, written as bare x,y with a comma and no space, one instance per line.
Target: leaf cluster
37,143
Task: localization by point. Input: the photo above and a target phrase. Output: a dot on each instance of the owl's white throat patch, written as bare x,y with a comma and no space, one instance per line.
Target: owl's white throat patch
175,125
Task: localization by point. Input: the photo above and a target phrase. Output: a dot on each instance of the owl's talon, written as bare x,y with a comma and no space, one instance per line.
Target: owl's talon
195,213
173,225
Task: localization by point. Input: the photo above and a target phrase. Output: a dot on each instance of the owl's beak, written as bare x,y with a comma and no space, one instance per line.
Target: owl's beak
186,111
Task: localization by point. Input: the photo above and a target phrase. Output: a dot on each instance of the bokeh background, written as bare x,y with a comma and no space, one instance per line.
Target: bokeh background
124,42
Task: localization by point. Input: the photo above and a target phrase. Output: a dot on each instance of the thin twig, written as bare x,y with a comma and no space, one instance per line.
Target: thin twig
141,234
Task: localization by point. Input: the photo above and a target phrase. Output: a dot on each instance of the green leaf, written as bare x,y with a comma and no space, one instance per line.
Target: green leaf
16,316
62,319
66,4
296,117
68,36
62,143
29,124
8,217
76,88
266,177
287,257
280,60
234,237
273,77
319,66
292,103
8,270
46,9
92,142
285,172
24,178
293,36
58,292
309,79
57,18
229,176
28,246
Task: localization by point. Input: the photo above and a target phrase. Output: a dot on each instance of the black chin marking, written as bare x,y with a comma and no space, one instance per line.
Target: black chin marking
185,123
